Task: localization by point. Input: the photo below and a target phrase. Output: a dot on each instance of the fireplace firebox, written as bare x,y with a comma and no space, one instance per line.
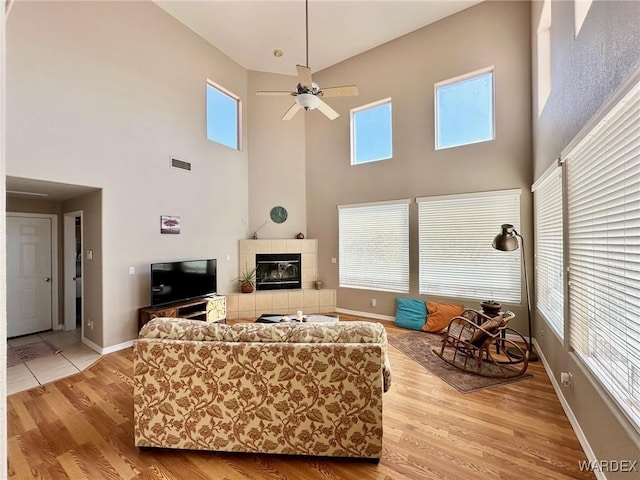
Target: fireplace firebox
276,271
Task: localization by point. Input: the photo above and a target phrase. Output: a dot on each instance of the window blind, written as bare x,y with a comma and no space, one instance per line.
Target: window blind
549,278
603,187
374,246
456,257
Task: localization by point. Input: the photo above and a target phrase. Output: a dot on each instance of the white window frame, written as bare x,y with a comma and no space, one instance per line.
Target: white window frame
238,102
460,79
543,56
580,10
456,256
603,214
354,140
374,246
549,245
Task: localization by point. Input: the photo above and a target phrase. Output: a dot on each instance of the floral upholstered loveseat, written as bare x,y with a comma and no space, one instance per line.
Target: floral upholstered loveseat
307,389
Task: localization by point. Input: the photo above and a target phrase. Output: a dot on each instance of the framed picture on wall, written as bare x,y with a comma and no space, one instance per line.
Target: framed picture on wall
169,224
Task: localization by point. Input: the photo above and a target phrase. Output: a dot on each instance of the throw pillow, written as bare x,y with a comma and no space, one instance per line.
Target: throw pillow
410,313
440,314
490,326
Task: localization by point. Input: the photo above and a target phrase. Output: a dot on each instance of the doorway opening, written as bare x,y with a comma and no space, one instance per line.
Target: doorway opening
73,272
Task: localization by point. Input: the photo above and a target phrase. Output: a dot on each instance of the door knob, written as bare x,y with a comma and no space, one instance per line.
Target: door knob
47,279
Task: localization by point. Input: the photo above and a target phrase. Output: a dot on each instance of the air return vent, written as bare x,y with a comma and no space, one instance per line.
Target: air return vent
180,164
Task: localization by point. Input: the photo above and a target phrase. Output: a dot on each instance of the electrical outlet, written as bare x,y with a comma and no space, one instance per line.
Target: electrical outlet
566,379
542,332
334,260
373,302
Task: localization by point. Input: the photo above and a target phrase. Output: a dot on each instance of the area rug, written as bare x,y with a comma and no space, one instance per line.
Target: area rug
417,346
30,351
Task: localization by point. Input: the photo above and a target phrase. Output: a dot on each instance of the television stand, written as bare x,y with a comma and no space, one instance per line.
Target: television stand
208,309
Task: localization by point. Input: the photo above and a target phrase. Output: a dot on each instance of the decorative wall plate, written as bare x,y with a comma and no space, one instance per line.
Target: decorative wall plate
278,214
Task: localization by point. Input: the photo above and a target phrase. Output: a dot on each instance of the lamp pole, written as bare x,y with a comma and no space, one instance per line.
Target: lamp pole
531,355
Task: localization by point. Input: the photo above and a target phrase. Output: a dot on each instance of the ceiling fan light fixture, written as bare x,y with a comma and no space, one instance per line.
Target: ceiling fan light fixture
307,94
307,101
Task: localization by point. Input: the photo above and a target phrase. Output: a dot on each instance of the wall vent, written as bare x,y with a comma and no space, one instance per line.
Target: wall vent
180,164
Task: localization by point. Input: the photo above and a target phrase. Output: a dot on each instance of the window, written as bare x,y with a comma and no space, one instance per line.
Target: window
455,233
547,205
580,10
543,55
371,132
374,246
223,113
603,194
464,110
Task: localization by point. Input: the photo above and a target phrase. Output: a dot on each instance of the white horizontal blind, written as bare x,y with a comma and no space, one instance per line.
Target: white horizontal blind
603,186
374,246
549,280
456,257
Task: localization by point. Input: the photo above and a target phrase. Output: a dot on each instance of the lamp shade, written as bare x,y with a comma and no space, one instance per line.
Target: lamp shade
507,240
307,101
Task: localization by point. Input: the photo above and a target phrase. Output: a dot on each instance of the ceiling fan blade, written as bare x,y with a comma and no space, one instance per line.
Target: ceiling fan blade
304,76
346,91
291,112
274,92
327,110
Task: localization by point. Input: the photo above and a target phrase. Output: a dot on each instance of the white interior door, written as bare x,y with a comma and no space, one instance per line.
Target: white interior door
29,275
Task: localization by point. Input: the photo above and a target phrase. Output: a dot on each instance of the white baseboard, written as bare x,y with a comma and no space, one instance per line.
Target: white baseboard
111,349
376,316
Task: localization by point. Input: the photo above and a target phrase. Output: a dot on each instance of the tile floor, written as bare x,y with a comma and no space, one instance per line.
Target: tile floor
73,357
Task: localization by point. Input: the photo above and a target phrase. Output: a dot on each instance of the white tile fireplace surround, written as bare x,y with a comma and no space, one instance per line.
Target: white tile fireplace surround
307,299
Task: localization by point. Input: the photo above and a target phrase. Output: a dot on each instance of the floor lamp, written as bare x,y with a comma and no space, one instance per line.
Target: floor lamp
507,241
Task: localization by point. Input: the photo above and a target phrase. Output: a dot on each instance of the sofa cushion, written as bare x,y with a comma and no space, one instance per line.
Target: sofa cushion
260,332
341,332
410,313
184,329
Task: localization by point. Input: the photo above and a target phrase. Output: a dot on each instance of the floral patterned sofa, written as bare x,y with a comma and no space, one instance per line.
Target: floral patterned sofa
303,388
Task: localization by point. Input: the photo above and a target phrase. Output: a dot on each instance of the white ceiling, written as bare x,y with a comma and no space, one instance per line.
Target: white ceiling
249,30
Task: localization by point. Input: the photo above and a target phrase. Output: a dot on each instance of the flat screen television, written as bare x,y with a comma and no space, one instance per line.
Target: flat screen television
178,281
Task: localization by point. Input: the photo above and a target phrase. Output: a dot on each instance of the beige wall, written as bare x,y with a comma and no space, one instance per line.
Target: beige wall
3,273
103,94
585,72
492,33
276,158
91,207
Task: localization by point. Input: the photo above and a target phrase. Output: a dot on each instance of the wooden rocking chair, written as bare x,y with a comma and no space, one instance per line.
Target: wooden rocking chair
477,343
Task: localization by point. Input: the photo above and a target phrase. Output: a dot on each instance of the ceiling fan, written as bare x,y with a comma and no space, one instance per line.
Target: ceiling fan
308,93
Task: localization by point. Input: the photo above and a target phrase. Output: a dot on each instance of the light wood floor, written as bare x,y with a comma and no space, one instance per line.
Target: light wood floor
81,427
